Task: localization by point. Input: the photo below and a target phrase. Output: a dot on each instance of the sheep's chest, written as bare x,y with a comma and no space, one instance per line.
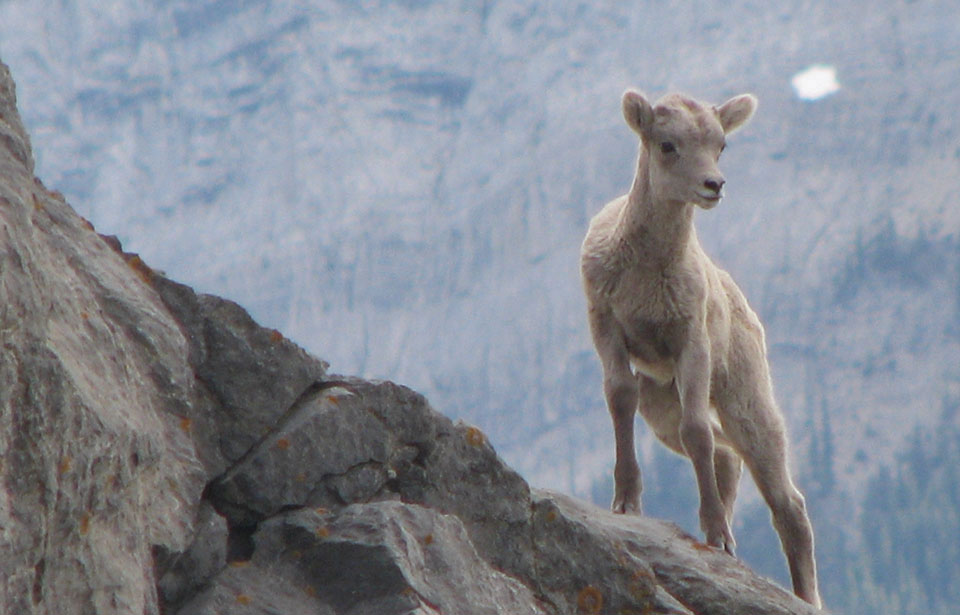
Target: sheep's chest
651,317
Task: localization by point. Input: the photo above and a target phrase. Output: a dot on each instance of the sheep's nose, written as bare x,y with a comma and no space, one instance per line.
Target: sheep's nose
715,184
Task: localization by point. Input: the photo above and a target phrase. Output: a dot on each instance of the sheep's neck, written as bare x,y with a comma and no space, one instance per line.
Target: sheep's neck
657,231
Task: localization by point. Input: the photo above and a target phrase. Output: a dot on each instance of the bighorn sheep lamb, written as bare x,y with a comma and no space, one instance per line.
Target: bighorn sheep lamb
676,337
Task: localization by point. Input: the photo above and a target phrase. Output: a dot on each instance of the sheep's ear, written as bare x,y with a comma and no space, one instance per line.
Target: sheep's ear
736,112
637,111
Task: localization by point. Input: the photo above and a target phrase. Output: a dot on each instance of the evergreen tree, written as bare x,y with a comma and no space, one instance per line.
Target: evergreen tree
910,556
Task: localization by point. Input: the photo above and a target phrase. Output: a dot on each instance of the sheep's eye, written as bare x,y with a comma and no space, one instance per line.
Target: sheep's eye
667,147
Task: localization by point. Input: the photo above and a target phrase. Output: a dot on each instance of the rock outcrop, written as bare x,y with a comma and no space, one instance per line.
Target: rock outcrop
162,453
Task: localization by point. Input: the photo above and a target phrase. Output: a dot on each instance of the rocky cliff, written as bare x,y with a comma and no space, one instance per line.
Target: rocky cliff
162,453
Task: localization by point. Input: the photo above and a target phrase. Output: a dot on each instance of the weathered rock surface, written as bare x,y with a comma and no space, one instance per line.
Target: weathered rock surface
162,453
96,470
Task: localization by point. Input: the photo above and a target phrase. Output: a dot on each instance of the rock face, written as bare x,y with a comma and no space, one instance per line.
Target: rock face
162,453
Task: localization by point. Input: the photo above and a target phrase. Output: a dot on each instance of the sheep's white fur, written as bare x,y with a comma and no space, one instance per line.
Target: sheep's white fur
676,337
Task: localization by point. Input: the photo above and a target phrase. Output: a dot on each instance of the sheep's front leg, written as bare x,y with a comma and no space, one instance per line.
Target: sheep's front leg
621,390
696,435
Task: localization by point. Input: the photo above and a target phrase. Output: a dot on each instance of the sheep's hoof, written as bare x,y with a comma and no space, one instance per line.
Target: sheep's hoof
627,506
720,537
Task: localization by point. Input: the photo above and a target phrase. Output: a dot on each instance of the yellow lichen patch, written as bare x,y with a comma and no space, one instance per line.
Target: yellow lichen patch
322,531
85,315
428,539
551,516
186,423
320,510
84,525
240,563
275,336
590,600
333,399
244,599
301,477
37,203
66,463
475,437
283,444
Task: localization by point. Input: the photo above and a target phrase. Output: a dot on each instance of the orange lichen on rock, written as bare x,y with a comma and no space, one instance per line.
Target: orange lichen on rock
475,437
84,525
244,599
66,463
590,600
622,555
643,584
186,423
141,268
283,444
276,336
322,531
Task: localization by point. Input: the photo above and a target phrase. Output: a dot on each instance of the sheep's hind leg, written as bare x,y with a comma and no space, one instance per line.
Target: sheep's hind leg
791,522
762,441
728,467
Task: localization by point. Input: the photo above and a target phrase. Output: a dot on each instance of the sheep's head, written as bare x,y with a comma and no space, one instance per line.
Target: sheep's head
682,141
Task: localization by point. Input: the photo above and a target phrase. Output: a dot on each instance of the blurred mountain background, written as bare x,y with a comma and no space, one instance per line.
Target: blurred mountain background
402,187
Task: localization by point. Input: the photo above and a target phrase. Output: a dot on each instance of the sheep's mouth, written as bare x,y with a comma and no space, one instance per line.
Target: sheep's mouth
708,201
